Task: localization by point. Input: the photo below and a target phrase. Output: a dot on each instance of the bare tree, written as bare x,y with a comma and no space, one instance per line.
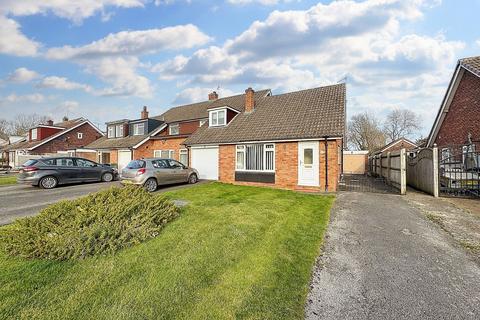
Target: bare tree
364,132
401,123
22,122
4,129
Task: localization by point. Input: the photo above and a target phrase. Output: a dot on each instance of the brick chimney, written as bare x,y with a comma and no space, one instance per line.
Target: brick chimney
144,113
50,122
213,96
249,100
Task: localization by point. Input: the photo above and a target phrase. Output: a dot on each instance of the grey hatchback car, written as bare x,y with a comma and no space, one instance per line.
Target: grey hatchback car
150,173
47,173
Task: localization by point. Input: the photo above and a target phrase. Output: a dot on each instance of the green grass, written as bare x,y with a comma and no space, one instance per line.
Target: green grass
8,179
234,252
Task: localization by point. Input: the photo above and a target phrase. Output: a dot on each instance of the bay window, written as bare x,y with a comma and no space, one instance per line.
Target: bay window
255,157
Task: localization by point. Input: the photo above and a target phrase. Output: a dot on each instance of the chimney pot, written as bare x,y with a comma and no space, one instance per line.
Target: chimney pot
213,96
144,113
249,100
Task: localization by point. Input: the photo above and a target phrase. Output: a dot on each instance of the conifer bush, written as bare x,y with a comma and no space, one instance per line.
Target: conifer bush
101,223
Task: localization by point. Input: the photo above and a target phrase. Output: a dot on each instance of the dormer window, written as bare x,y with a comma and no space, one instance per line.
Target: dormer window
174,129
111,132
139,129
218,118
34,134
119,130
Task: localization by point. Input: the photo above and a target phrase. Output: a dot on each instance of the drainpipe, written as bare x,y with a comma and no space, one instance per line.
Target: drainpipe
326,163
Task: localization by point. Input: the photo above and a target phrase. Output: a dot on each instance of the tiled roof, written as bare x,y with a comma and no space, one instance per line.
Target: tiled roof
32,144
311,113
472,64
200,110
116,143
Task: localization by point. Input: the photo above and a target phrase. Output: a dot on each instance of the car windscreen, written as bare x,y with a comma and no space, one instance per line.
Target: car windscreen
30,162
136,164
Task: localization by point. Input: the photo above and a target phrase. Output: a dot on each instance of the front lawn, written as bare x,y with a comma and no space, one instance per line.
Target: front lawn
234,252
8,179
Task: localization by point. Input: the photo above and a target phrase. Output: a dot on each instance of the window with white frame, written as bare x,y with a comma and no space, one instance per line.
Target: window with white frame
34,134
80,135
255,157
139,129
174,129
446,154
218,117
165,154
119,130
111,132
202,122
183,156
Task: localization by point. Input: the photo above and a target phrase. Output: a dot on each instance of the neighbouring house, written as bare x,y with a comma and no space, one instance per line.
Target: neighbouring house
456,130
158,136
52,138
395,145
355,162
292,140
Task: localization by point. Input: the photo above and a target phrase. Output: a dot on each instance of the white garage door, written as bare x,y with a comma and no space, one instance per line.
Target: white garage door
124,157
205,160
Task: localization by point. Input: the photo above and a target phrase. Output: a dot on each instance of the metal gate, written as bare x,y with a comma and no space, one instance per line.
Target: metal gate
365,183
459,170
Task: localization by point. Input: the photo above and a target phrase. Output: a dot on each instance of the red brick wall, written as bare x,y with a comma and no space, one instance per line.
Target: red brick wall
69,140
146,150
463,116
286,171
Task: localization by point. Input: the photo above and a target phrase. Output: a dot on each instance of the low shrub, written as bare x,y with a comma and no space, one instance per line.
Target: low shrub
101,223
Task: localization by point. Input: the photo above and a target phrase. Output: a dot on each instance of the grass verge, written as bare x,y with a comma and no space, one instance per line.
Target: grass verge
234,252
8,179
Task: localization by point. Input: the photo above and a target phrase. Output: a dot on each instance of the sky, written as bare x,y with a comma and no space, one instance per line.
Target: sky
105,59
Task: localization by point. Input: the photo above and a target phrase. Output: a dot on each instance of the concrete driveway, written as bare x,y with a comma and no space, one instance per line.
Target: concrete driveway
384,260
19,201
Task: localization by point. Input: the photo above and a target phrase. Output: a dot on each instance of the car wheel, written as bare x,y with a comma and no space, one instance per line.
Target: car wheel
151,185
107,177
193,179
48,182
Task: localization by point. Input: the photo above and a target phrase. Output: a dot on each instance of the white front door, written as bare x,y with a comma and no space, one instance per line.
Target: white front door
205,160
308,172
124,157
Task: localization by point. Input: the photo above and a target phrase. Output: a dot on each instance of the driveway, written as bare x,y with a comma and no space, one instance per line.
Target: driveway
19,201
384,260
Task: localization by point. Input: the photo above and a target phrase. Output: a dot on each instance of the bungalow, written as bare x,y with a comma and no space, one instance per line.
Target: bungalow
158,136
52,138
293,140
457,121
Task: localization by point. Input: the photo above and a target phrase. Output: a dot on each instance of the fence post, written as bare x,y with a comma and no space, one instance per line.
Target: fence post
381,164
435,171
403,172
389,165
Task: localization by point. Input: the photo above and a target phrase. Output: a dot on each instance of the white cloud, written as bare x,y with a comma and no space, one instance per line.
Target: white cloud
68,106
478,42
61,83
134,43
121,74
196,94
22,75
13,42
72,10
31,98
262,2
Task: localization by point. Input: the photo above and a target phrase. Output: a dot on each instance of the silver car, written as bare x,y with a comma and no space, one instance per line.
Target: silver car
153,172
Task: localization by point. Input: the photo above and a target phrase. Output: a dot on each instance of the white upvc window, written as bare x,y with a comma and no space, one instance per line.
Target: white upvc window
34,135
183,156
174,129
255,157
139,129
218,118
111,132
119,130
165,154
